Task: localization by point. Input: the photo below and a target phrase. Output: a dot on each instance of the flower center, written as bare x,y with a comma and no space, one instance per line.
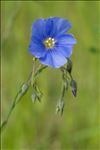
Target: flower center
49,43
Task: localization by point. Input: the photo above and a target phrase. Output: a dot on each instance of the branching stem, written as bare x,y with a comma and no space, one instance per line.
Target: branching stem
22,91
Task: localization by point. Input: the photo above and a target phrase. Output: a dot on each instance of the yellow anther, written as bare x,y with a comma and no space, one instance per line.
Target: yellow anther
49,43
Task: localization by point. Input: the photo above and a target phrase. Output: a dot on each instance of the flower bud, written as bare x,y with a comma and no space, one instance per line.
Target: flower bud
33,97
24,88
73,84
60,107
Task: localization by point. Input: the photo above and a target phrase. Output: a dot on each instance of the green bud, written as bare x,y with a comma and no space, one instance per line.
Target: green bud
33,97
60,107
73,84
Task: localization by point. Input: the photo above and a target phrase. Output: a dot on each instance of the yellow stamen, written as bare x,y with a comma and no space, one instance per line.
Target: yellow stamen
49,43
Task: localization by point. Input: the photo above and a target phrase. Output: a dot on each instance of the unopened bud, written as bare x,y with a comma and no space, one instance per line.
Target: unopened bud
60,107
33,97
73,84
23,90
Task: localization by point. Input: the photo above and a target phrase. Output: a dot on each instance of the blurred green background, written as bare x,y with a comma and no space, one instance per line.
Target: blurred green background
35,126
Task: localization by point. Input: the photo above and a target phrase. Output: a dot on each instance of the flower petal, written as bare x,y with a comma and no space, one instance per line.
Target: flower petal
56,26
37,49
65,50
66,39
49,26
38,29
53,58
62,25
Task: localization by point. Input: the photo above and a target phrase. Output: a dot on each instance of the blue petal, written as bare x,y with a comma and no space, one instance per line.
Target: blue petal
62,25
38,29
65,50
37,49
53,59
66,39
56,26
49,27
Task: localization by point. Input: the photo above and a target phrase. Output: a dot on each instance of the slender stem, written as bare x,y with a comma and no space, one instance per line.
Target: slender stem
22,91
63,91
71,76
60,105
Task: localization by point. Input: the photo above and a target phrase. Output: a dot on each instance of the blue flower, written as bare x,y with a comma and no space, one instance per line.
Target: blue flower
49,41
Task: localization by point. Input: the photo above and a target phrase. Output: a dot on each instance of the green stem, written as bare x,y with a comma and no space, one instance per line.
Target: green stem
24,88
71,76
60,105
63,91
